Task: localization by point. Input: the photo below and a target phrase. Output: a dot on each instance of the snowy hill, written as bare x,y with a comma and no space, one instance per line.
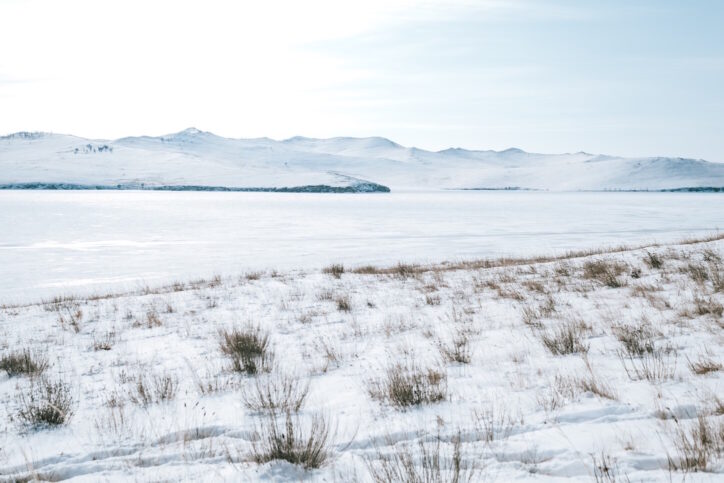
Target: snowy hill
195,158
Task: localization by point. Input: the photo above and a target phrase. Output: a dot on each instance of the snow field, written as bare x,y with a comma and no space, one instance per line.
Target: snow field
600,367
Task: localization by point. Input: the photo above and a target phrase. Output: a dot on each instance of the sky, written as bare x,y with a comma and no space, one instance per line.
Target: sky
622,77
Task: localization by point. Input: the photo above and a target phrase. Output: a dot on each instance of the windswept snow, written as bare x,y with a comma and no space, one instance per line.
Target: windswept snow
605,407
194,157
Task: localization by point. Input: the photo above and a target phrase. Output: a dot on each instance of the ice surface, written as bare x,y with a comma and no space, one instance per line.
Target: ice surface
84,241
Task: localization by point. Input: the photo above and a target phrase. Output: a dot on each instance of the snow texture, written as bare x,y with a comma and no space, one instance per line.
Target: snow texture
521,411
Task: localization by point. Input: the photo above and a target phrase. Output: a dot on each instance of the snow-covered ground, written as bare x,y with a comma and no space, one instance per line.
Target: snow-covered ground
64,242
519,410
194,157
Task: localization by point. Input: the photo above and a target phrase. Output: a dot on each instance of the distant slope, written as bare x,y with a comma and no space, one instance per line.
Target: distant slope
191,159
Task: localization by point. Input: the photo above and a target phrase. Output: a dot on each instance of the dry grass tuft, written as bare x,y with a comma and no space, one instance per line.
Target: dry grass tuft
432,299
153,389
408,384
593,384
494,422
343,304
703,365
45,403
336,270
708,306
653,260
248,348
276,392
641,357
636,339
697,272
23,362
605,271
698,445
428,463
605,470
565,338
287,438
104,343
404,270
457,349
70,317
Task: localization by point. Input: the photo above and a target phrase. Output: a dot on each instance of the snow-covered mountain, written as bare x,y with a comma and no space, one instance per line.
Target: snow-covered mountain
197,158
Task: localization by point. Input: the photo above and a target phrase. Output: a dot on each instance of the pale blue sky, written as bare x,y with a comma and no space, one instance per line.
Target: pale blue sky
618,77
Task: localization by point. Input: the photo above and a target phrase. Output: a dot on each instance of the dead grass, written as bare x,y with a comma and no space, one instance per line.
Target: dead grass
565,338
428,462
494,422
406,384
432,299
153,389
698,445
70,318
558,392
653,260
404,270
637,339
656,366
532,315
606,470
45,403
641,356
23,362
457,348
105,342
510,262
606,272
287,437
590,382
561,270
343,304
336,270
248,348
708,306
150,319
703,365
698,272
276,392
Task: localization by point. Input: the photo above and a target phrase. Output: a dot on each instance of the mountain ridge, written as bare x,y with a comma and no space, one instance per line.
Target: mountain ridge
193,157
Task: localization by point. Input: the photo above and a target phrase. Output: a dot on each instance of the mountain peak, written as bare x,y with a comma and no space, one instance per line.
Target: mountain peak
512,151
189,132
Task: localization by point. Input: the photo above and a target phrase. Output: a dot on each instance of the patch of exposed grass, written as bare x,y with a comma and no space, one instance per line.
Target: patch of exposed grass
605,271
703,365
637,339
45,403
698,445
154,389
248,348
276,392
286,437
408,384
343,304
336,270
457,349
565,338
428,462
653,260
23,362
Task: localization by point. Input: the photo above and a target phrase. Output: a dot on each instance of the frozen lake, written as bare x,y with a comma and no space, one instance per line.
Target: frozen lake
86,241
